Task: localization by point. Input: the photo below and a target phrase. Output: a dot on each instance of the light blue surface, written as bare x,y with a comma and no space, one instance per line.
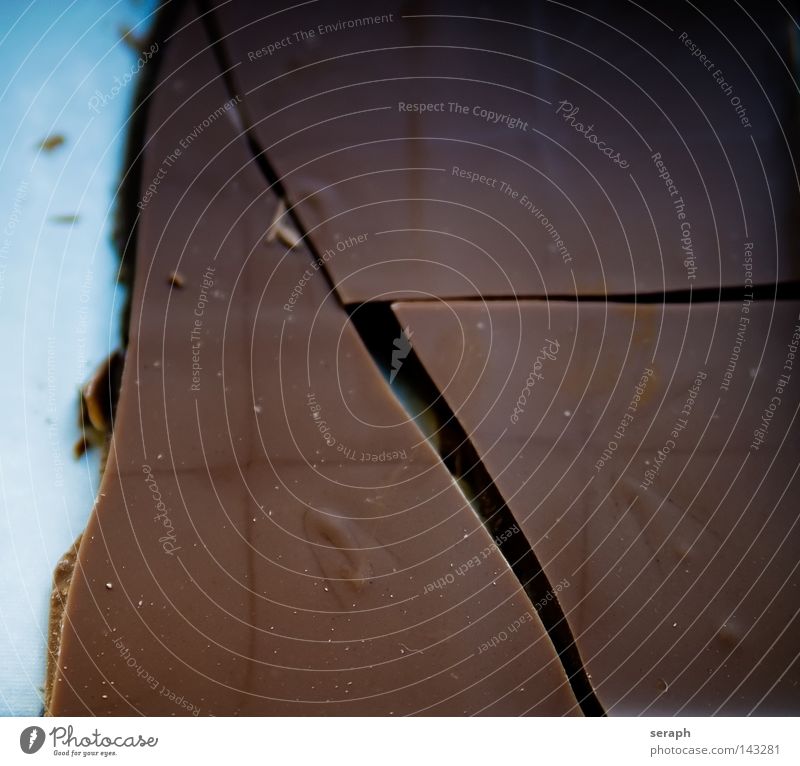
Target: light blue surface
59,304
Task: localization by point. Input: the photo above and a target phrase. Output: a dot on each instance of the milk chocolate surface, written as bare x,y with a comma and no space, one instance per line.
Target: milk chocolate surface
382,445
272,530
649,453
530,149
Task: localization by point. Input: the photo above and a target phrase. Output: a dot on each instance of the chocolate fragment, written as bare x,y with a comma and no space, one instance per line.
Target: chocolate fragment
66,219
538,150
137,43
176,279
275,534
649,453
275,544
52,142
99,395
281,230
62,577
96,404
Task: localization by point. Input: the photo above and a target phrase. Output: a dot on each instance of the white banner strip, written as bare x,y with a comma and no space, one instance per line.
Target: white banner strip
400,742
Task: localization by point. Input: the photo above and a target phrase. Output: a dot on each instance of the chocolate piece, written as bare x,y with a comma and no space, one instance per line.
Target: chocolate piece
99,395
453,151
51,143
273,535
649,453
98,400
176,279
135,42
62,578
66,219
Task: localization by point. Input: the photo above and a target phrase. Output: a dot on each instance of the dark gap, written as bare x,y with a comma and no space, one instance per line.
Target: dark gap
226,65
214,32
784,291
379,330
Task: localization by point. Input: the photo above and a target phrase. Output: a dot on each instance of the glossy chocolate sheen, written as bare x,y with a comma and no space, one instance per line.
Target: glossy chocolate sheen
528,149
272,533
649,453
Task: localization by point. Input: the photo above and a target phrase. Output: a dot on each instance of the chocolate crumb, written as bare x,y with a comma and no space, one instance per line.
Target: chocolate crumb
131,39
176,279
65,219
52,142
81,447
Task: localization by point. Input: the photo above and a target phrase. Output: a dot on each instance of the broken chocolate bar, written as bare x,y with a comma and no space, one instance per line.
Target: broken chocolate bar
266,542
459,370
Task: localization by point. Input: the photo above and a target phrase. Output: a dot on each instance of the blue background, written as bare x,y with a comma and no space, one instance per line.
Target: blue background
59,300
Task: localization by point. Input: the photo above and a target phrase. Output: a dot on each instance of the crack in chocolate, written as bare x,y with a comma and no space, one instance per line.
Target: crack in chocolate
782,291
226,66
378,327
